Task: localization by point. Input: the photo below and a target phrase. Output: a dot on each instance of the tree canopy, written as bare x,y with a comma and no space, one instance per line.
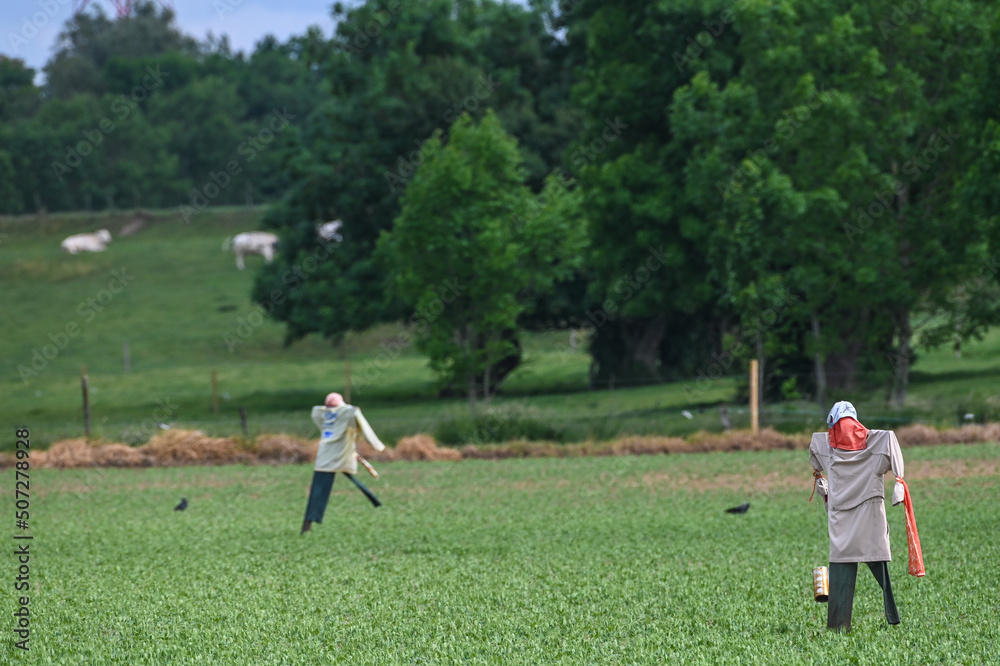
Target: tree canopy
811,184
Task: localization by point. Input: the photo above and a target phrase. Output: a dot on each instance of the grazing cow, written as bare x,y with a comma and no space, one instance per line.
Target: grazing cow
330,231
94,242
252,242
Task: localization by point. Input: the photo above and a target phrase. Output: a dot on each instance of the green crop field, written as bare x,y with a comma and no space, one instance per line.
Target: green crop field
626,560
180,295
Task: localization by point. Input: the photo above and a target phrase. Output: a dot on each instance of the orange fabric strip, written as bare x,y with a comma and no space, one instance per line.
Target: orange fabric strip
912,538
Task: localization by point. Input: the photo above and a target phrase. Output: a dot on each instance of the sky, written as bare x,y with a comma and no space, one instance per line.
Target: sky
29,28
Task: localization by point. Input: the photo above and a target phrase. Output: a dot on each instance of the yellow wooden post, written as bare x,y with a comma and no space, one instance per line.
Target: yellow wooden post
754,396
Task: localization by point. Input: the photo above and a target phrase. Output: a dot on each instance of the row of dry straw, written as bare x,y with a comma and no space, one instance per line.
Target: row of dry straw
191,447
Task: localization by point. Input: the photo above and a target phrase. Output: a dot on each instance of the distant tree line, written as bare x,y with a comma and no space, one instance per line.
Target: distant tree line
811,183
135,114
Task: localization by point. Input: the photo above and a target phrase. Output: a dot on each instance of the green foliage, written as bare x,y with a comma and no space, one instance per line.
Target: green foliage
399,73
653,305
472,245
816,155
587,560
136,114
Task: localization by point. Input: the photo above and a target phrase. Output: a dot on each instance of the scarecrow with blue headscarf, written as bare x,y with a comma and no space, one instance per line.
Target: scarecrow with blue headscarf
855,460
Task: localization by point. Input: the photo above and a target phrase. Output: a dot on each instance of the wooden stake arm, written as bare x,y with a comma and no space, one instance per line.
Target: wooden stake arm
367,465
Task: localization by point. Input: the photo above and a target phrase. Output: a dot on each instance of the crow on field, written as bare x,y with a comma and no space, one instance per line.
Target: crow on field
742,508
183,505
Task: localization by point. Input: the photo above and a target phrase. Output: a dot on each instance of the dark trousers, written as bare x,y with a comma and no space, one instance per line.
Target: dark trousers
843,578
319,494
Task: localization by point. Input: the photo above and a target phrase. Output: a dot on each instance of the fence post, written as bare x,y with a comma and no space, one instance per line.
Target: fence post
754,396
86,400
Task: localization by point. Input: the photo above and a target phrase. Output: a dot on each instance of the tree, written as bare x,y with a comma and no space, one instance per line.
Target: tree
471,245
19,98
867,141
91,40
654,308
396,74
809,149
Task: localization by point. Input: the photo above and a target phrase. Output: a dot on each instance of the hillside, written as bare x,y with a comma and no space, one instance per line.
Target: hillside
172,295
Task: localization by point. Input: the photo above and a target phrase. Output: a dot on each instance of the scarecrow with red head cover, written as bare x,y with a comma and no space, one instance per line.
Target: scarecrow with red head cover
855,460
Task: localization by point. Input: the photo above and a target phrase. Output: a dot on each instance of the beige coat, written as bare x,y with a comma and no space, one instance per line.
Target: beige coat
337,445
855,493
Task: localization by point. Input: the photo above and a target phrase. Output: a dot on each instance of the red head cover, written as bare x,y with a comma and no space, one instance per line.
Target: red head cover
848,434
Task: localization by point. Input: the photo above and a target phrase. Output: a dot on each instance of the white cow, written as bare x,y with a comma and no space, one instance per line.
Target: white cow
94,242
252,242
330,231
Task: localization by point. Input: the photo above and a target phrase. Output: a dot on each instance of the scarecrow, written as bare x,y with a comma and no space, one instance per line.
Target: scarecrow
855,460
339,424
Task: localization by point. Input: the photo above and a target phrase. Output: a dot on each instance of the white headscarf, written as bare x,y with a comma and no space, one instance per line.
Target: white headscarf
839,411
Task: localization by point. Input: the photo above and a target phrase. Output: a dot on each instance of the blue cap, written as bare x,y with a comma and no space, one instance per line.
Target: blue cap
839,411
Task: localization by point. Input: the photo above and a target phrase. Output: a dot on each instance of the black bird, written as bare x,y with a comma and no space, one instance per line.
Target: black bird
183,505
742,508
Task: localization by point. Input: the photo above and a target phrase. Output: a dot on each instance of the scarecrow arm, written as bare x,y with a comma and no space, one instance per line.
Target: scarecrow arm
896,460
367,431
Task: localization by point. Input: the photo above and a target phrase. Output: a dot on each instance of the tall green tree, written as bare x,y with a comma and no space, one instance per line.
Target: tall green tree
653,306
470,248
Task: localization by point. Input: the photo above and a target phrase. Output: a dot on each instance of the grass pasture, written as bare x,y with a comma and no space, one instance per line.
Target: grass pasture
587,560
187,294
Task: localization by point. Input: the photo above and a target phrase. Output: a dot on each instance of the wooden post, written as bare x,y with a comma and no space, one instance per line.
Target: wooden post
215,393
86,401
243,420
347,381
127,358
754,396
